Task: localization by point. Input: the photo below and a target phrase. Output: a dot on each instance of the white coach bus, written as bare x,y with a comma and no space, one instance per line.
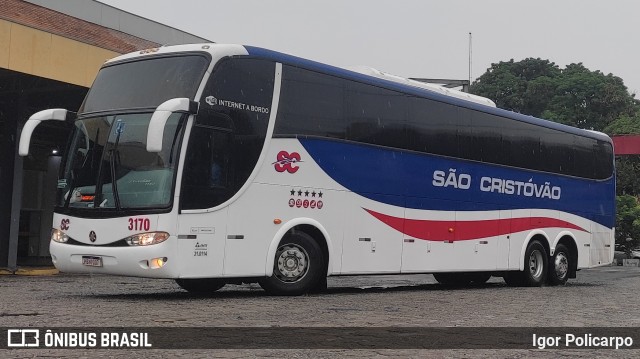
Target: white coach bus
213,164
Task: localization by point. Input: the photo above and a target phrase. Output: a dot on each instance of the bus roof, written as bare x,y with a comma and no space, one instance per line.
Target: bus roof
417,91
382,80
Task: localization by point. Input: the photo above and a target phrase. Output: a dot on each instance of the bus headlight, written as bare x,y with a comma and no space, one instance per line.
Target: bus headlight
147,239
59,236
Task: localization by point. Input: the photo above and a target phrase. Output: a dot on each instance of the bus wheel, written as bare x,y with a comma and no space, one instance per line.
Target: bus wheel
535,268
200,285
297,268
559,266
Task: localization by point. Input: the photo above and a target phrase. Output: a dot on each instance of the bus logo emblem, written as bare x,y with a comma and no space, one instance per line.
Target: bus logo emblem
286,161
64,224
211,100
92,236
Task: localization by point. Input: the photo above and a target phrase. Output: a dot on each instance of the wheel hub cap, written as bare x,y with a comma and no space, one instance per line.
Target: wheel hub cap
561,265
535,264
292,263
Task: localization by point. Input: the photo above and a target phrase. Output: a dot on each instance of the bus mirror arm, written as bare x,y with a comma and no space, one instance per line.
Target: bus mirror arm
58,114
160,117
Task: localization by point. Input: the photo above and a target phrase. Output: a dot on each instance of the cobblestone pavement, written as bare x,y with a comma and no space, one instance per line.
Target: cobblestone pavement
605,296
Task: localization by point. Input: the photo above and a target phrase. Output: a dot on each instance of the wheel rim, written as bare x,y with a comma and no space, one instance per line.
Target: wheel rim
292,263
561,265
536,264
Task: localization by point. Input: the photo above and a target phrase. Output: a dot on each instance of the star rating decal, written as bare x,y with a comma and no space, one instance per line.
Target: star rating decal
306,199
306,193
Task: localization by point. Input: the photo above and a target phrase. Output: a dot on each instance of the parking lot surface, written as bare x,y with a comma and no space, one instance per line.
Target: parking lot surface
606,296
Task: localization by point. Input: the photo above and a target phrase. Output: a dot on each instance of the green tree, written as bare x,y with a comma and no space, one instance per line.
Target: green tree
574,95
627,175
624,125
628,166
525,86
627,222
589,99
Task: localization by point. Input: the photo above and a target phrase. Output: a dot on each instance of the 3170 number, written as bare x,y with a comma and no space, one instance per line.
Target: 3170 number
139,224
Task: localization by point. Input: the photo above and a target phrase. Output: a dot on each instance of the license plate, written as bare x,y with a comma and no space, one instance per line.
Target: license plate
92,261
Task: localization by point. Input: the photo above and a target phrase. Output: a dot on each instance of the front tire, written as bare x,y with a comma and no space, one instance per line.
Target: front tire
297,268
200,285
559,266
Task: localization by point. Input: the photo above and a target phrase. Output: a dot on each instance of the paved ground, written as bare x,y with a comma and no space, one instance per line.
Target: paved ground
599,297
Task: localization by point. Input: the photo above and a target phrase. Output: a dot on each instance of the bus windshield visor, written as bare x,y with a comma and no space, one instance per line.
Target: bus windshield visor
107,165
146,83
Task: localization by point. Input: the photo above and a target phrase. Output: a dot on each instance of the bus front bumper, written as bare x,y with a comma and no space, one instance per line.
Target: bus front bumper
154,261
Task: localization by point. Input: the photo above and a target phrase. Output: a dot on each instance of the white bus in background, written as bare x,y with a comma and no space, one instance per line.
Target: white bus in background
214,164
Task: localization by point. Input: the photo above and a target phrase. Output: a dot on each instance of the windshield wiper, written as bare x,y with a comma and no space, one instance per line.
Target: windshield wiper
112,163
97,196
74,170
98,200
72,187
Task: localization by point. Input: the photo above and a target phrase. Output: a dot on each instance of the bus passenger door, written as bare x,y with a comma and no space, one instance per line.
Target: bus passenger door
205,185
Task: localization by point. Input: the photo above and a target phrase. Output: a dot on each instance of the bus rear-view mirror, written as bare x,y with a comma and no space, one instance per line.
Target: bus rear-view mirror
160,116
58,114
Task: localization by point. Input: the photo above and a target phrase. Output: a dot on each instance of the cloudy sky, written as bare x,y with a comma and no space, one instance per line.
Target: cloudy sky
419,38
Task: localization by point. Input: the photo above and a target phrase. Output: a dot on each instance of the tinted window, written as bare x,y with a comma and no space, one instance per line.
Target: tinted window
432,127
584,158
521,143
311,104
145,83
315,104
208,179
487,134
555,152
375,115
229,132
603,159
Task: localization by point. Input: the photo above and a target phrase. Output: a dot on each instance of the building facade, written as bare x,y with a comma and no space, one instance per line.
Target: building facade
50,52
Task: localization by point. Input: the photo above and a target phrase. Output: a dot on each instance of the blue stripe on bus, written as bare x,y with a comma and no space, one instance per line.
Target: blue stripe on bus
415,91
405,179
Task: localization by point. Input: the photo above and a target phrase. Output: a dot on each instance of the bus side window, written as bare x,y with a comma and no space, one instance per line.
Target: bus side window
206,172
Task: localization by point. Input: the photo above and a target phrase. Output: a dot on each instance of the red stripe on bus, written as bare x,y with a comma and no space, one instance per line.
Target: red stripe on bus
466,230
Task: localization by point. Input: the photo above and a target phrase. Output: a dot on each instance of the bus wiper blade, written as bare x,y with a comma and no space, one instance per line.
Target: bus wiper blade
114,185
97,198
72,187
112,163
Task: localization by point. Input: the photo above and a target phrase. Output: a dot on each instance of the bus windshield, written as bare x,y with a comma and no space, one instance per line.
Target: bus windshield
108,166
145,83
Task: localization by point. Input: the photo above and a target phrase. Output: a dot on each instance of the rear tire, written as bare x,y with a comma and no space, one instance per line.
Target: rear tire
200,285
297,268
535,267
559,266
